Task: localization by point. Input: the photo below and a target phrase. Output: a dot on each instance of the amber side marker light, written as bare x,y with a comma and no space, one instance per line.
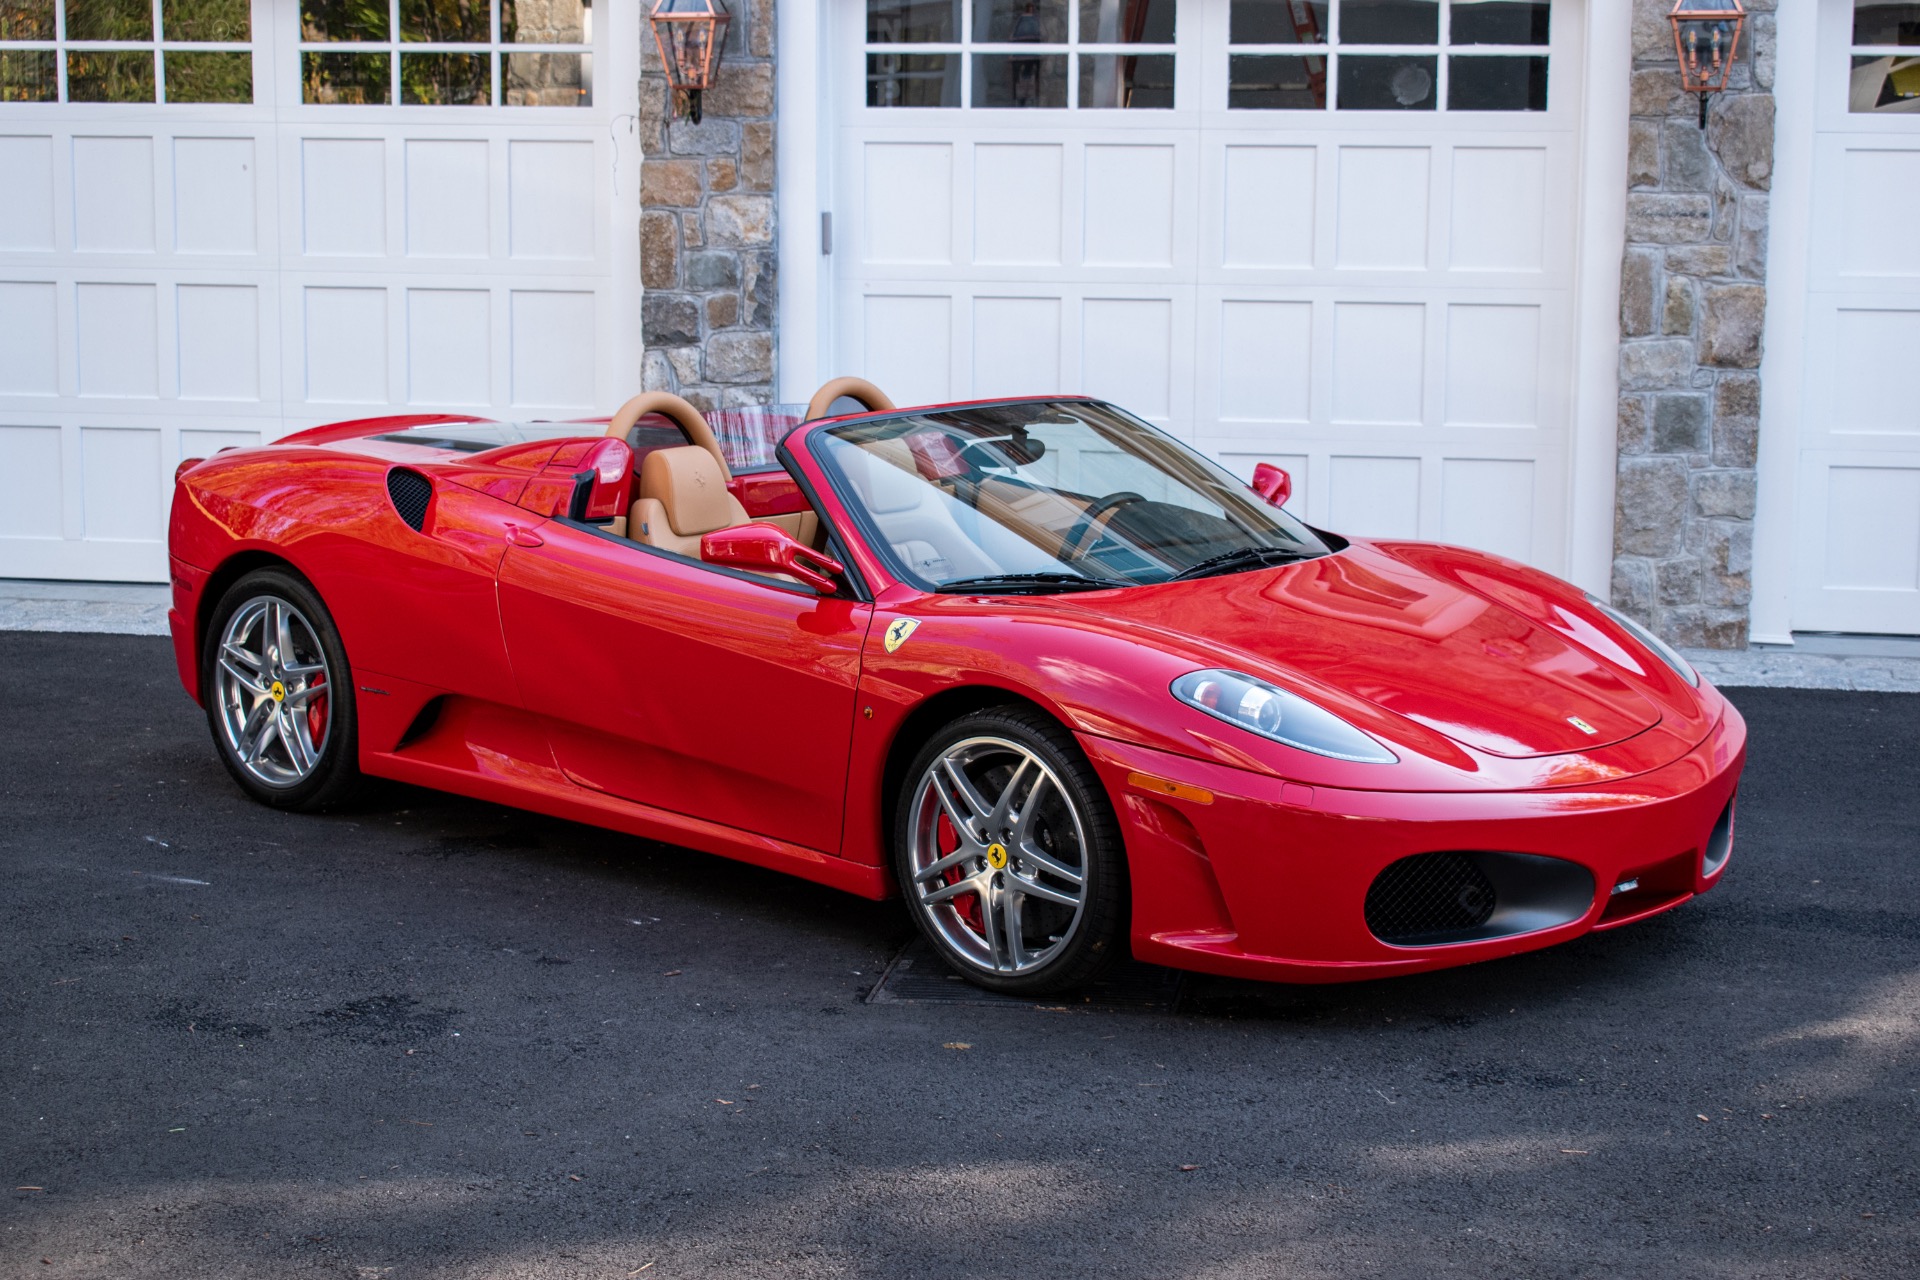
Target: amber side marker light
1168,787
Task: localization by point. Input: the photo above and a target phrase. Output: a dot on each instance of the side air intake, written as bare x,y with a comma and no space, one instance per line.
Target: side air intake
1431,899
410,492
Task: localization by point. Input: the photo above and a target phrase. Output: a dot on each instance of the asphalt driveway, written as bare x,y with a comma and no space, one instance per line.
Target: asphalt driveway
436,1038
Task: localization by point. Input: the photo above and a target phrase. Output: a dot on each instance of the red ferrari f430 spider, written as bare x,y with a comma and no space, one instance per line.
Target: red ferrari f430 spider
1069,689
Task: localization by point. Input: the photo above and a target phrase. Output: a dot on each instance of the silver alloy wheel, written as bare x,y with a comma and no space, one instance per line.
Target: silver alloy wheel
272,682
997,855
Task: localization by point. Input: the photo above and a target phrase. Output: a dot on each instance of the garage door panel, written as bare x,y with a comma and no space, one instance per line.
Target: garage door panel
120,478
1381,208
214,186
1379,362
556,334
907,345
1374,497
1879,192
1016,346
113,194
552,200
31,482
344,333
1492,365
1130,353
1019,204
1499,209
29,338
117,338
448,198
1489,503
1128,214
1267,208
1873,383
907,204
1264,374
218,336
448,347
27,214
343,197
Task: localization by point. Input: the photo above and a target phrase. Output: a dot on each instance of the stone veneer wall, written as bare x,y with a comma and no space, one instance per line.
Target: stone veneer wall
1692,301
707,254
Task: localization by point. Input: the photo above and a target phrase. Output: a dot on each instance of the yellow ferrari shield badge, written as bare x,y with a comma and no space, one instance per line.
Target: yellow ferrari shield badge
997,856
279,691
898,631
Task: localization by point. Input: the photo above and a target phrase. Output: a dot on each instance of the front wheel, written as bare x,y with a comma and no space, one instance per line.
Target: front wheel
1009,855
278,693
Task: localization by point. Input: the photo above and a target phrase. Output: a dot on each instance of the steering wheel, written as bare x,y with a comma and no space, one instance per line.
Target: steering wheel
876,400
1070,546
683,414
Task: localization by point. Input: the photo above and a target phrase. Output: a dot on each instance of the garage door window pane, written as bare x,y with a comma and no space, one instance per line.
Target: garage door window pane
1497,84
1277,22
1885,84
109,20
1275,82
1126,21
26,19
109,76
1019,80
1389,22
1500,22
446,79
1020,22
209,77
1121,80
323,21
347,79
913,21
1387,83
445,22
548,79
28,75
913,80
1886,22
544,22
206,21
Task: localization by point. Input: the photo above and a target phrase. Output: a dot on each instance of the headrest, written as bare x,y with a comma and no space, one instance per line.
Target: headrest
887,477
687,482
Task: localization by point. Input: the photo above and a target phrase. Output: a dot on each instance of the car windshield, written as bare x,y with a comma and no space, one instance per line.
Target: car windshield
1048,495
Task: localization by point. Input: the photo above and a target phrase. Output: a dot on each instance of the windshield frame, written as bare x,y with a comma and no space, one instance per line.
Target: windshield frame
809,436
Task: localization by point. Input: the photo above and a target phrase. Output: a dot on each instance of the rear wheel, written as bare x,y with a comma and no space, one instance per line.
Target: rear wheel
1009,856
277,689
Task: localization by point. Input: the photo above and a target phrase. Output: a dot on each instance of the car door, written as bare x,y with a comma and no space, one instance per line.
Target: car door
699,690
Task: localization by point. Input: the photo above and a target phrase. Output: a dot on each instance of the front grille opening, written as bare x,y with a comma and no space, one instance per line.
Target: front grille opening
1428,894
1719,845
410,492
1468,895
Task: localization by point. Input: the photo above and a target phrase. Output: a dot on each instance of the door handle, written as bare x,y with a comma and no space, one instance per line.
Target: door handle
524,537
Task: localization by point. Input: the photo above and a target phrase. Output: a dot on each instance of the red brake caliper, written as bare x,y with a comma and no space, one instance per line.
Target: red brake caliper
317,710
967,906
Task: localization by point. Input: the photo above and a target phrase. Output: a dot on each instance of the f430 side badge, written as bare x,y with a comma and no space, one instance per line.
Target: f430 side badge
899,630
1582,726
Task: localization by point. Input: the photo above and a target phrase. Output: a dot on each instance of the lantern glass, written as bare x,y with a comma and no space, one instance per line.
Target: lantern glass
1706,36
690,35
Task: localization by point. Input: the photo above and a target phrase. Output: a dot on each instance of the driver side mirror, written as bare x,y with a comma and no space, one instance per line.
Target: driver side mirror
1272,484
767,548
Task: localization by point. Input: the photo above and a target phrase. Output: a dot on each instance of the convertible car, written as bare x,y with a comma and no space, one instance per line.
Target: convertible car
1069,689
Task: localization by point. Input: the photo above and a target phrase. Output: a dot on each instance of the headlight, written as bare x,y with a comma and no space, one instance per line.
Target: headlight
1271,712
1664,651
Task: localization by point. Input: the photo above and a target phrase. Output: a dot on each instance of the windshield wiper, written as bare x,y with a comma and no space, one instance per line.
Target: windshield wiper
1241,558
1029,584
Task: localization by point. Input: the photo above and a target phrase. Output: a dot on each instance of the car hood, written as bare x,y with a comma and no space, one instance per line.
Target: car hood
1459,642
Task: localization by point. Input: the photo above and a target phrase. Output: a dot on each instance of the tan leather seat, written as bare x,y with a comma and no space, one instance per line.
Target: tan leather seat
682,495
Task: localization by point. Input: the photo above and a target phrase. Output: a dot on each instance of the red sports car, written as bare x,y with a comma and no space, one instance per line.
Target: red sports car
1067,687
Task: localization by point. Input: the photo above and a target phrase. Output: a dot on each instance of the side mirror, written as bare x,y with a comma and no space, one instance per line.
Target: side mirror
600,483
767,548
1272,484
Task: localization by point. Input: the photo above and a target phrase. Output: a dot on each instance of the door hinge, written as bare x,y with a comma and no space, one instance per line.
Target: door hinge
826,233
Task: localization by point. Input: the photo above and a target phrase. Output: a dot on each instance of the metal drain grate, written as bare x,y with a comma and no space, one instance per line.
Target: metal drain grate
918,976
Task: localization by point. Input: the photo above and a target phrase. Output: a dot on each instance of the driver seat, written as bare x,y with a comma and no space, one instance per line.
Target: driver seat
682,496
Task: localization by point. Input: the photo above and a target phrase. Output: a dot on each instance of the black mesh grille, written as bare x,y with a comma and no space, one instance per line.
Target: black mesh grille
410,491
1426,898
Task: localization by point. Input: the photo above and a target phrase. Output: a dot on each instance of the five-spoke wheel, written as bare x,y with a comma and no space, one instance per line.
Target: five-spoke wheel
1008,853
276,692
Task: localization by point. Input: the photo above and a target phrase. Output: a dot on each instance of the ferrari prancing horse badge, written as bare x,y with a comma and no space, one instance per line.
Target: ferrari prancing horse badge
898,630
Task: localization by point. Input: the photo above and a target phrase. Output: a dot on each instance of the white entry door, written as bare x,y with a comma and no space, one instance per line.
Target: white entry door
276,213
1335,235
1858,527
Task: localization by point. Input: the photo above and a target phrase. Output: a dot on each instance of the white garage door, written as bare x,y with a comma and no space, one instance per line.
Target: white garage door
1858,532
1339,236
282,213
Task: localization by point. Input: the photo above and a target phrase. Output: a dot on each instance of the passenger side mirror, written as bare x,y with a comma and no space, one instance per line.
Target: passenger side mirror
1272,483
767,548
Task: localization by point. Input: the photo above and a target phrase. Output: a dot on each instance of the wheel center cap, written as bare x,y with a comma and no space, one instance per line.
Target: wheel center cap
997,856
278,690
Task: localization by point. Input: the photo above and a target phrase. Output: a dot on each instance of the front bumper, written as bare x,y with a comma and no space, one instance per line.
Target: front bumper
1270,879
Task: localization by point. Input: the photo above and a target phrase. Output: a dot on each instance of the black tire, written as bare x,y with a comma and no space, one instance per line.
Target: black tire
333,776
1087,841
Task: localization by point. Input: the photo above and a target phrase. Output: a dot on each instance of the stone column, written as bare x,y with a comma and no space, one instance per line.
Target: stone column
707,250
1692,301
